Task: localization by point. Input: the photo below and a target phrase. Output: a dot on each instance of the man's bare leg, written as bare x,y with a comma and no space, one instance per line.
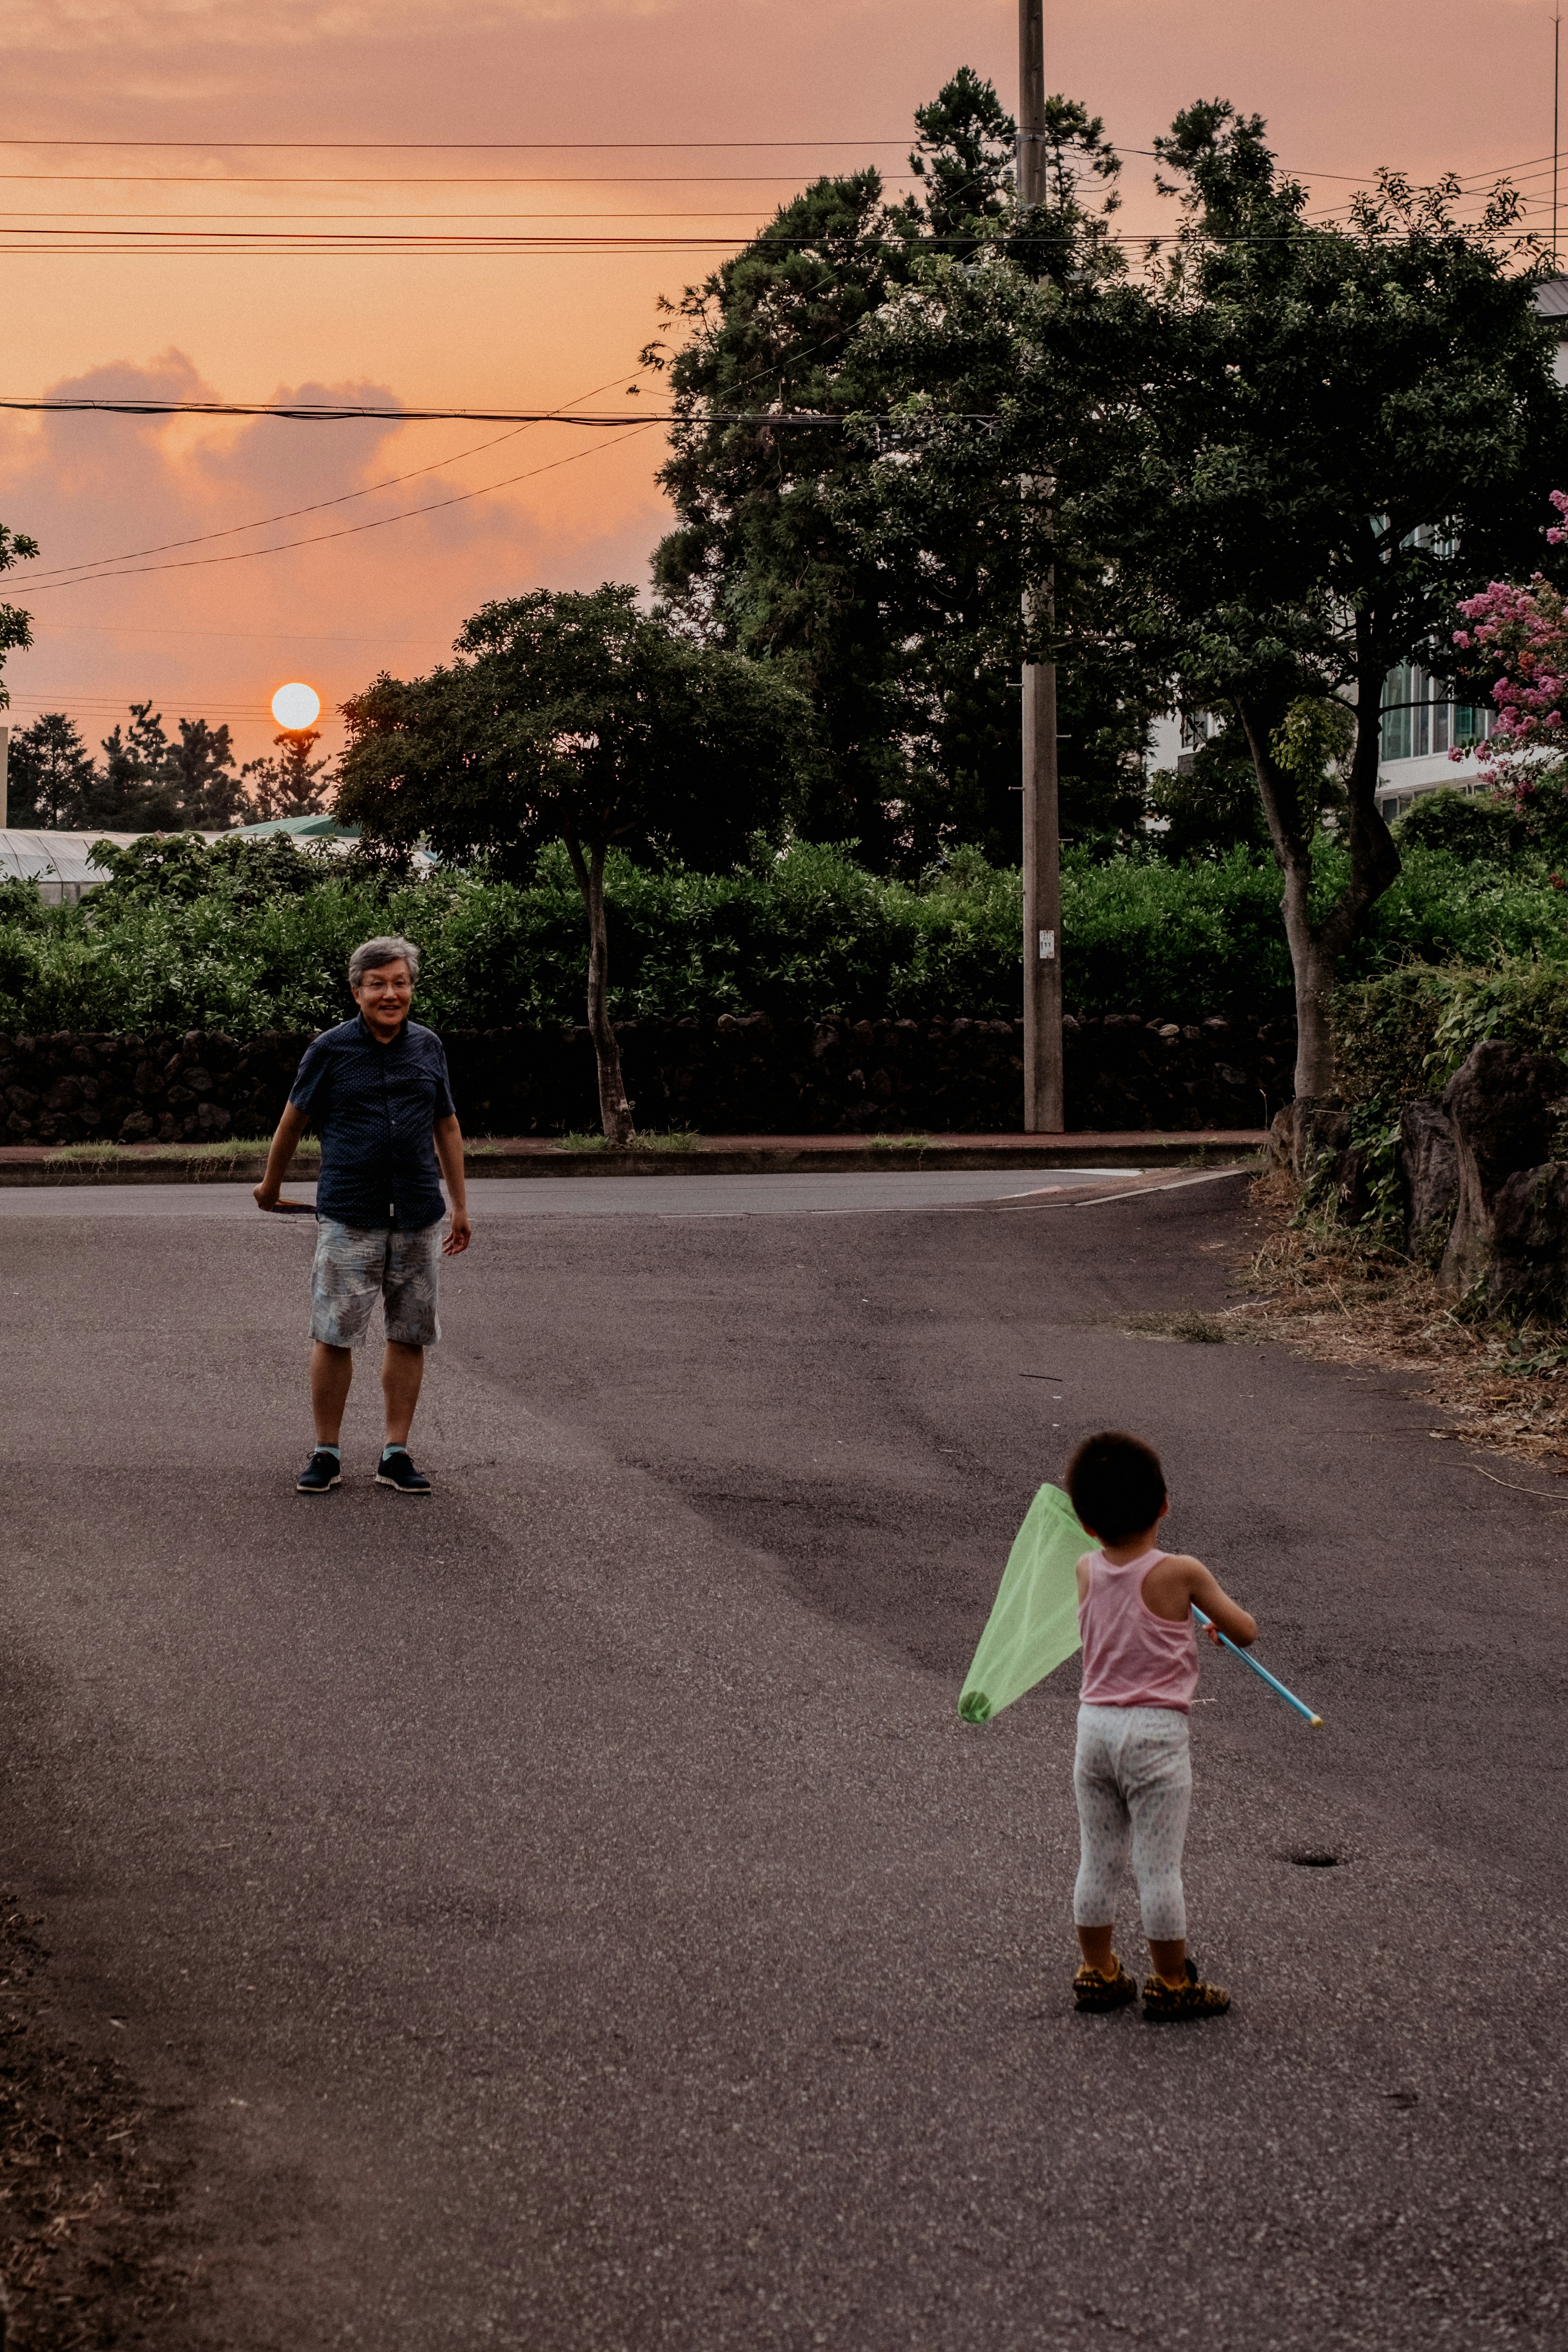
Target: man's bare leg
331,1370
402,1370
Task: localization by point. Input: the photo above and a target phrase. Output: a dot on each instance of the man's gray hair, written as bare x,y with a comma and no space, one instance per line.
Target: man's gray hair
374,953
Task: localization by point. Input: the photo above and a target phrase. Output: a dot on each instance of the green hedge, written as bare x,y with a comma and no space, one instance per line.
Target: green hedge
1405,1032
255,935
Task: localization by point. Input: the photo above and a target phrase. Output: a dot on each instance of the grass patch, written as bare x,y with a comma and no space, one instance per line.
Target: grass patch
106,1160
672,1139
222,1154
1347,1296
1186,1324
918,1144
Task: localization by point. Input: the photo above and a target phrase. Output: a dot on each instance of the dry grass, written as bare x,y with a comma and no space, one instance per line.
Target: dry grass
1347,1298
1186,1324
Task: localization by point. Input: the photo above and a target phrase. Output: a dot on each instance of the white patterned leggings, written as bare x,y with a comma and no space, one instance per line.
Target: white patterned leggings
1133,1777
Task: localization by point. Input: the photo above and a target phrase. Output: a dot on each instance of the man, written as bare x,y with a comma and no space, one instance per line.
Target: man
375,1089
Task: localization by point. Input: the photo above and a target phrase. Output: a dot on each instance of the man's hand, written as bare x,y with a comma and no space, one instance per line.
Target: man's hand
449,1137
290,1128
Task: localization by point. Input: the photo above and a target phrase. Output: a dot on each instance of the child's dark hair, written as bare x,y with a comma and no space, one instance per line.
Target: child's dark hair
1116,1484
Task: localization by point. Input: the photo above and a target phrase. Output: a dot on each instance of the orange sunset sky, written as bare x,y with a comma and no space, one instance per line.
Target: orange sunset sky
1424,85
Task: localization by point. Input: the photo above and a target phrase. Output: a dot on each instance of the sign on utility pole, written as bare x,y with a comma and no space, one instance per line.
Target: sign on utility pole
1043,1103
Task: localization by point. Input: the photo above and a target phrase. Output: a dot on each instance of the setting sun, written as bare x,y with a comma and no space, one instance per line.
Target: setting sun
296,707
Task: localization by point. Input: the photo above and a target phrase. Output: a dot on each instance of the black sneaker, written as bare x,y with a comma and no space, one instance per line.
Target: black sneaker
1167,2003
397,1470
323,1472
1094,1989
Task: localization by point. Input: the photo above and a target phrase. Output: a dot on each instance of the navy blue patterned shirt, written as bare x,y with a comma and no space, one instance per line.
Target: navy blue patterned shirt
374,1107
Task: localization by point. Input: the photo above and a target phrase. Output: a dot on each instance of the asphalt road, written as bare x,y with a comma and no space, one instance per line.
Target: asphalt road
617,1196
569,1915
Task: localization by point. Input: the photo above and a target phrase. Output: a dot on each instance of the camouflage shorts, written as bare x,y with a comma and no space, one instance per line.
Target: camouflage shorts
356,1265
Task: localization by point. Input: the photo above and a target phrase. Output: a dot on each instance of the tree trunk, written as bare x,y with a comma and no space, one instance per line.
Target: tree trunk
1316,947
614,1111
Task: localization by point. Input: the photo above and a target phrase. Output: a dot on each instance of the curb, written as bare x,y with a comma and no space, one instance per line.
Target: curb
35,1164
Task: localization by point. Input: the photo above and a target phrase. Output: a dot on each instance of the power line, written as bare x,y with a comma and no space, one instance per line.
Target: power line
61,575
308,412
318,539
98,704
460,146
58,575
258,637
423,179
173,220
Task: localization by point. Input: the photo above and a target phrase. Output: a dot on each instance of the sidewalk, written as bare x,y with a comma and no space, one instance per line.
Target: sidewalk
712,1155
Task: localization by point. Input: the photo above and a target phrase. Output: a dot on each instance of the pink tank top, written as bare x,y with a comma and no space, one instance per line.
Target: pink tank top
1131,1657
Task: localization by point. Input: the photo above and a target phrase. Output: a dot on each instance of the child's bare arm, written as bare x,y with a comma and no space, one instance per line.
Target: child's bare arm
1216,1603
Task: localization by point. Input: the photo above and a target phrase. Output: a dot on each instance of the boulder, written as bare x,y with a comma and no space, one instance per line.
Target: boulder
1503,1106
1528,1273
1429,1174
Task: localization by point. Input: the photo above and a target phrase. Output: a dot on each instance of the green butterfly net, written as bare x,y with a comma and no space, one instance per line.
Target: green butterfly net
1034,1624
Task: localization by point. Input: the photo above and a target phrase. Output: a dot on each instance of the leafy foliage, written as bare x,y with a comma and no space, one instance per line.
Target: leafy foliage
1405,1032
16,627
252,935
583,720
286,781
1349,435
1213,806
769,554
49,774
1479,829
1269,473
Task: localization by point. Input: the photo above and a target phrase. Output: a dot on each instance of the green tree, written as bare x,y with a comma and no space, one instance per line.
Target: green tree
921,742
286,782
1341,432
1210,806
136,789
1004,382
1258,481
579,718
51,776
201,771
16,627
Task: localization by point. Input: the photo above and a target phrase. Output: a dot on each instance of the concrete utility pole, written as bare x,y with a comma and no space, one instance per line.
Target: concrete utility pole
1043,1103
4,756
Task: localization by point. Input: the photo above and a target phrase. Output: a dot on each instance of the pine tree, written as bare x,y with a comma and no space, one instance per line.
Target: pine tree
200,769
50,775
287,781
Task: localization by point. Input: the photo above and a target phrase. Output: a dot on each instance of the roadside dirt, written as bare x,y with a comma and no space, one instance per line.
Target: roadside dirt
89,2254
1347,1297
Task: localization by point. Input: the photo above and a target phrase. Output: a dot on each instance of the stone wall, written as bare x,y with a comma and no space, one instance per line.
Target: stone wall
740,1075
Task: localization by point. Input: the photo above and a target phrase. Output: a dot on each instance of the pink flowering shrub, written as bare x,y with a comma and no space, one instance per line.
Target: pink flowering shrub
1525,631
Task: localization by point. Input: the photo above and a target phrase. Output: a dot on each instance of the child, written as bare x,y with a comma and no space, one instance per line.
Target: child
1132,1775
